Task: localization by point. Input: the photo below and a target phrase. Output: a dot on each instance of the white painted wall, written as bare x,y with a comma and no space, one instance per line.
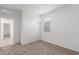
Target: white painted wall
30,27
64,28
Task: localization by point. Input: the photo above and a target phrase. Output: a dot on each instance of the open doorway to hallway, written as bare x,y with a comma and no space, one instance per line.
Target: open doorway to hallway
6,32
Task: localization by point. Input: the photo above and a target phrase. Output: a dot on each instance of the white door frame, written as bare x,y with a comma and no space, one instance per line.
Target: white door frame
6,41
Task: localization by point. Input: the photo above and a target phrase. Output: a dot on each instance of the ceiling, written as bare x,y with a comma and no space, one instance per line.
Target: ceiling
34,8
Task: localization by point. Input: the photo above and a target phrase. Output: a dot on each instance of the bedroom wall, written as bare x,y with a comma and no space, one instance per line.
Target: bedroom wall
30,26
64,28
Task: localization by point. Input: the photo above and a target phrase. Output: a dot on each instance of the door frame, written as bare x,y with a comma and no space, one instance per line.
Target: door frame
10,41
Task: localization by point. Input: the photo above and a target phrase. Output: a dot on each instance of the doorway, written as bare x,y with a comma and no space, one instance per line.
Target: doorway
6,32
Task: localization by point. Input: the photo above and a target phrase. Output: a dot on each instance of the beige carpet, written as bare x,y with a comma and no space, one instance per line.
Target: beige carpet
36,48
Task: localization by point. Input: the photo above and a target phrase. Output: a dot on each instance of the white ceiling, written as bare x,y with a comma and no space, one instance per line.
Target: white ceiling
37,8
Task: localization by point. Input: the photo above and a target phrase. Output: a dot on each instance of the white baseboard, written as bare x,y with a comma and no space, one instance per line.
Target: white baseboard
27,42
61,45
58,44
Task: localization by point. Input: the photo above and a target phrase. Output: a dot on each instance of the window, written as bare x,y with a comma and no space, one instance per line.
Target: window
47,27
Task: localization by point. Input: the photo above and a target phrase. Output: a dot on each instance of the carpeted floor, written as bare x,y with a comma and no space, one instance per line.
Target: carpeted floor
36,48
